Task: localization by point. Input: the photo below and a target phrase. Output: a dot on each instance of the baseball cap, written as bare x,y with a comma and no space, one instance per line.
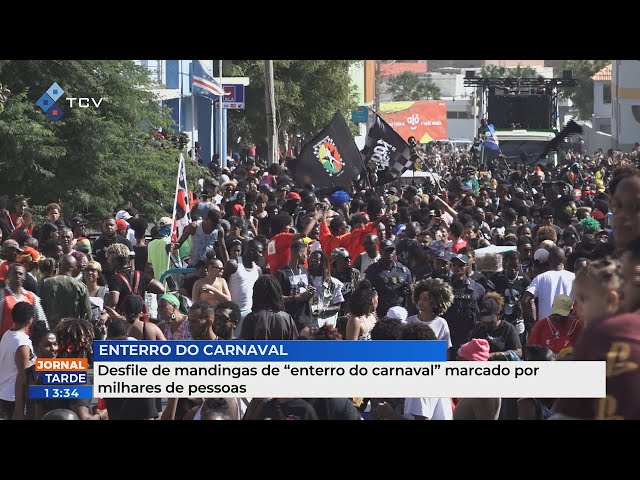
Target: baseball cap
121,224
443,255
123,215
398,313
293,196
488,309
165,221
461,258
10,243
392,190
339,252
29,255
541,255
83,245
477,350
562,305
436,246
387,246
78,221
598,215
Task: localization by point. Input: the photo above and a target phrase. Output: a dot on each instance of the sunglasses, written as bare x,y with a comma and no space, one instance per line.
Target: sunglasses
215,267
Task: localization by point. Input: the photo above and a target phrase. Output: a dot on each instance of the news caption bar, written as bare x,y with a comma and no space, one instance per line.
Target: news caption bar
61,379
327,369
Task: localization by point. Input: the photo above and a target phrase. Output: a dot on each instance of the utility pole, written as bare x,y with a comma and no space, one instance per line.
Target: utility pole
270,99
376,80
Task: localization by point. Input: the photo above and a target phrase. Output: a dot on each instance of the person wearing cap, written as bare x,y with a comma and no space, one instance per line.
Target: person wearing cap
79,229
108,237
476,350
560,330
502,336
441,261
546,286
348,276
462,315
391,279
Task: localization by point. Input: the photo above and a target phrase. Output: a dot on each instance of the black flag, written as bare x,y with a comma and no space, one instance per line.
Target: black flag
571,128
386,152
331,158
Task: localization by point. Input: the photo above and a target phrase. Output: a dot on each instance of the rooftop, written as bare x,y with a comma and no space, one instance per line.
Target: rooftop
387,69
603,75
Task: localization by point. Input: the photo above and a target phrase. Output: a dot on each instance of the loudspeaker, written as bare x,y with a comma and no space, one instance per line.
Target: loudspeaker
470,74
567,74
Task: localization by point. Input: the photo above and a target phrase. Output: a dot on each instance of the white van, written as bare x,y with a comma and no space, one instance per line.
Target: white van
513,143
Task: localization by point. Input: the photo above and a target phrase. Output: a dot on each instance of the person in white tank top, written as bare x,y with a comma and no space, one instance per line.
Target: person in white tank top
205,234
16,355
370,255
241,275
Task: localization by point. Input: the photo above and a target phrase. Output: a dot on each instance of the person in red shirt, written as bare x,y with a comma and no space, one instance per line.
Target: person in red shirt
559,331
336,234
278,249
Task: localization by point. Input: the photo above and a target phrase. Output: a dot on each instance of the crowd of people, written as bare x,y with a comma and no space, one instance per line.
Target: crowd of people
507,263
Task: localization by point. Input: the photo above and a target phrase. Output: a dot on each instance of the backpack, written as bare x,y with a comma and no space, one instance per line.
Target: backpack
136,291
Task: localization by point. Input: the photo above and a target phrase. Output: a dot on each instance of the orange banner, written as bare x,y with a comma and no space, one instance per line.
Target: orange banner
425,120
61,364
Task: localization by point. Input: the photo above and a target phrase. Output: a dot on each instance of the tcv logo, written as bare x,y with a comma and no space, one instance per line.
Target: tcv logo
47,102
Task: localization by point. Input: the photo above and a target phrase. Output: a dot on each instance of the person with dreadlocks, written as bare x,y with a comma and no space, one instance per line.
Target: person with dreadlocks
45,345
75,340
268,320
327,299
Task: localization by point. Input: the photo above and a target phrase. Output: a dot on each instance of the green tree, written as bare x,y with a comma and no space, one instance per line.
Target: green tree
496,71
92,160
308,93
582,95
409,86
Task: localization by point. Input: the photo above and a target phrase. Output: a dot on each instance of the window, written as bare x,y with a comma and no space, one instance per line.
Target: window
606,92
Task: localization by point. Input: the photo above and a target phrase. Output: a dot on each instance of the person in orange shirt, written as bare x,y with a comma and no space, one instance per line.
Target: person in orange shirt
336,234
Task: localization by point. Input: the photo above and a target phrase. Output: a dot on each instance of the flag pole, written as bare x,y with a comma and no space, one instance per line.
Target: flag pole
180,98
175,206
223,157
193,121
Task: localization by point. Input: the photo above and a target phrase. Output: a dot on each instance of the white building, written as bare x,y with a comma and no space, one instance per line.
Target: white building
625,100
